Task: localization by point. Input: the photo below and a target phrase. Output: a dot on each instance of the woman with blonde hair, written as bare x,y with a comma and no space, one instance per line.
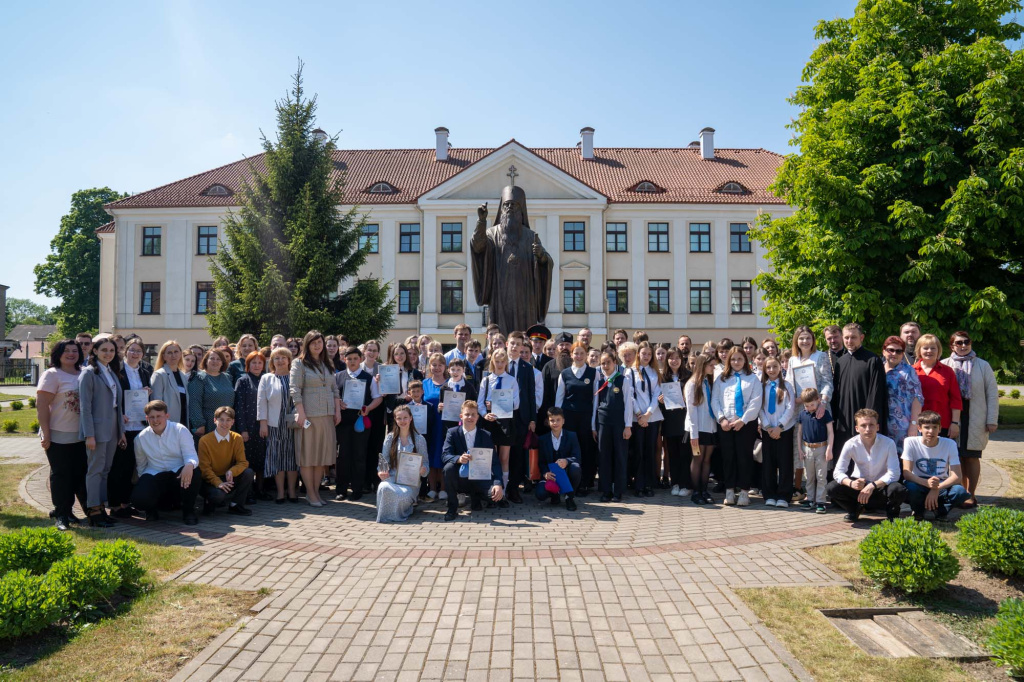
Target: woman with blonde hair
939,385
169,382
395,502
273,409
246,344
315,394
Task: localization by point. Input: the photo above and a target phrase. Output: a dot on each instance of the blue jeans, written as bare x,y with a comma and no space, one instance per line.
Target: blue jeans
575,474
953,496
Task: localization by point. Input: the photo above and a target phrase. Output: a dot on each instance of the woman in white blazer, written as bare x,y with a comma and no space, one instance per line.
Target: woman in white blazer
273,410
169,382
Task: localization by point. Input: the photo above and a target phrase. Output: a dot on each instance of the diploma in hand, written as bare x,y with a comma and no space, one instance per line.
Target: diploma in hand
480,464
804,376
355,391
135,405
453,406
408,472
389,383
673,392
502,401
419,417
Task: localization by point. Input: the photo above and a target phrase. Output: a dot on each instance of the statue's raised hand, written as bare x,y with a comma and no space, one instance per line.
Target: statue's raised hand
481,212
538,250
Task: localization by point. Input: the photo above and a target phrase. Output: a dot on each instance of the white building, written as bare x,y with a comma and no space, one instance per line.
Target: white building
643,238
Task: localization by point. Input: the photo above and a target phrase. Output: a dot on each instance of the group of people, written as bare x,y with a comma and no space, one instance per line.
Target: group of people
534,412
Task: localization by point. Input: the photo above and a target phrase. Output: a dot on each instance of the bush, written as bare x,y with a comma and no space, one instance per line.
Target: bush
28,603
88,580
1006,639
34,426
34,549
10,426
1015,394
125,557
993,538
1002,393
17,405
32,403
907,555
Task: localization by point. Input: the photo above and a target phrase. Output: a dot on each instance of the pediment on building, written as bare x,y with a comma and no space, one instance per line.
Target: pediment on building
451,265
573,265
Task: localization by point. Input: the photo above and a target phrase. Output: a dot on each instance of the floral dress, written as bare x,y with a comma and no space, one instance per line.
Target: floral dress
904,386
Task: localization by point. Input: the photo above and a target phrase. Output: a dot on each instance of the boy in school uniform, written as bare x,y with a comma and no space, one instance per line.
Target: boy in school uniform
560,447
817,438
457,443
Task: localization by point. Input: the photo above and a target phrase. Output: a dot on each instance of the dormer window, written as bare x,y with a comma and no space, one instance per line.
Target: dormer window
382,188
217,191
733,188
647,187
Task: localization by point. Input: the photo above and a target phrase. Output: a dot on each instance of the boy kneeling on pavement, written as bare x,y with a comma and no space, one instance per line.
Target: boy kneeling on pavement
227,477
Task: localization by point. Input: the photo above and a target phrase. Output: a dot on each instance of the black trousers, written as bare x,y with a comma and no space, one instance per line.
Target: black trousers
680,455
579,423
612,459
68,464
164,491
777,466
454,484
351,469
889,498
738,456
643,444
238,494
119,480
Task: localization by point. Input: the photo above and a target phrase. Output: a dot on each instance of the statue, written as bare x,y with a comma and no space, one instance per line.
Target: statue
511,270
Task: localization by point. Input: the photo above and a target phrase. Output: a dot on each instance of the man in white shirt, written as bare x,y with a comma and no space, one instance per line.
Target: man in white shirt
931,468
165,457
875,481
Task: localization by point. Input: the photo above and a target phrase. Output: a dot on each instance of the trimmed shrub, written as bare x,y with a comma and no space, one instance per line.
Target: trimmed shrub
34,549
125,557
1006,639
993,538
1002,393
10,426
17,405
1015,394
32,403
907,555
28,603
89,580
34,426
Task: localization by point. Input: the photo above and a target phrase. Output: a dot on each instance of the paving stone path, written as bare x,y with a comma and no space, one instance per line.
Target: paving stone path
632,591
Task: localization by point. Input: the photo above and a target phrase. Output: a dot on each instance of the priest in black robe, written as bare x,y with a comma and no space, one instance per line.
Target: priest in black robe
859,383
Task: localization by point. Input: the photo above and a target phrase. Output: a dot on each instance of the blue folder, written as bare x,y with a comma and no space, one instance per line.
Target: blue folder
561,478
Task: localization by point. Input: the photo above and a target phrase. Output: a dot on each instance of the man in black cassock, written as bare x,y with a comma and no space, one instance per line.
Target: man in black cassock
859,383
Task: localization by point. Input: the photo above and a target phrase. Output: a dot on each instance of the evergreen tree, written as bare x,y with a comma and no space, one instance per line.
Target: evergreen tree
289,247
909,184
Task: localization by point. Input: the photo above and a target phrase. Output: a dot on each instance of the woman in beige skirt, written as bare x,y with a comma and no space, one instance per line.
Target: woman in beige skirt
312,388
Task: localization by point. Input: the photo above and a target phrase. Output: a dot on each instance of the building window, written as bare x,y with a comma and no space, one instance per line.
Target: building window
739,242
408,296
370,235
700,296
657,237
150,298
451,296
451,237
217,191
742,297
409,238
615,237
151,241
574,237
382,188
733,188
575,296
700,238
647,187
204,297
207,241
618,296
657,296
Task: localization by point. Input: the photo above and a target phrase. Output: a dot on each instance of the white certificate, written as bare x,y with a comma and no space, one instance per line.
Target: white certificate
453,406
355,391
480,464
419,417
389,381
804,376
502,400
408,473
135,405
673,392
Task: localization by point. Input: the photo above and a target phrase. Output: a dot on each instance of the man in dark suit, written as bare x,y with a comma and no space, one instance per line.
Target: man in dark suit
525,418
455,455
538,335
560,447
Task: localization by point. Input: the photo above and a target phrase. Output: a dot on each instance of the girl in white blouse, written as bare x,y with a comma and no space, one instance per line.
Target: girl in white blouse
736,402
647,419
777,418
700,422
502,430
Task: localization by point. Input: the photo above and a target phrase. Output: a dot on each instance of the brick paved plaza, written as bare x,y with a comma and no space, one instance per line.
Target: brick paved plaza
632,591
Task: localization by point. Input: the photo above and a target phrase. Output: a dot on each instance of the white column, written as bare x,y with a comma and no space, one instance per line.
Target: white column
429,280
680,301
387,244
720,246
469,303
549,238
127,253
761,264
175,285
638,283
597,317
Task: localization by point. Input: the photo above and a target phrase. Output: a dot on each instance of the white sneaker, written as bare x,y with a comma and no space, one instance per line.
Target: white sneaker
744,499
770,503
685,492
442,495
755,491
730,496
781,503
675,490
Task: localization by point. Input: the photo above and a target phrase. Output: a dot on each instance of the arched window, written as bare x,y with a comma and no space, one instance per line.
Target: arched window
382,188
217,191
733,188
647,187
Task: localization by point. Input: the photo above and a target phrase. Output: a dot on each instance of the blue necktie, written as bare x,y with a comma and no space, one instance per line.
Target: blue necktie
739,397
464,469
498,387
707,398
771,397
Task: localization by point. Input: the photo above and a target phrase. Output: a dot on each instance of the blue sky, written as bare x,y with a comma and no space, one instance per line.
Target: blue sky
135,95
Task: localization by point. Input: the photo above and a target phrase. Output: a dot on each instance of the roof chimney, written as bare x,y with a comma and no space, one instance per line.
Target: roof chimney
587,142
442,143
707,143
319,135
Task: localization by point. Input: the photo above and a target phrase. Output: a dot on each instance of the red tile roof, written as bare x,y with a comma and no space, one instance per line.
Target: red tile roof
613,172
108,227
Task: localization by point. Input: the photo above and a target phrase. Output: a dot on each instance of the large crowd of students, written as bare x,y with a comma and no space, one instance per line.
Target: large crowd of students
727,423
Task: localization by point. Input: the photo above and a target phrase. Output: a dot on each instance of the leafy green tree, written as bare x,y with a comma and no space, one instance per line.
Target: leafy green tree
72,271
909,183
289,247
25,311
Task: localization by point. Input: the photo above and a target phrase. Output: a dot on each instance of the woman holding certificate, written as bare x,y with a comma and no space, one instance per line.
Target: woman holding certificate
673,428
736,402
402,462
808,367
135,382
398,356
499,396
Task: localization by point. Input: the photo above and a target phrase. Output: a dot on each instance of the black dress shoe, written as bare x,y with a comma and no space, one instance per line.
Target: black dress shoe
153,515
451,515
208,508
190,519
294,500
583,492
355,497
239,510
616,498
513,496
555,501
74,519
61,523
124,512
100,521
648,492
570,504
342,495
250,498
476,504
852,517
491,504
606,497
281,500
503,504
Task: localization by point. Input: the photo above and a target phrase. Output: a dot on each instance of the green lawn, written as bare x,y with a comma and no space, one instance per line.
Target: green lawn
23,418
12,396
1011,412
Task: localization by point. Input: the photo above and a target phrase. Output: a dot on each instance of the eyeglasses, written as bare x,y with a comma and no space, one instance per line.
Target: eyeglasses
962,343
894,351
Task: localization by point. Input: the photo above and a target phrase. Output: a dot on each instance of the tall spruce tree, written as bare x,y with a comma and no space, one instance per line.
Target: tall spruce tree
909,183
289,247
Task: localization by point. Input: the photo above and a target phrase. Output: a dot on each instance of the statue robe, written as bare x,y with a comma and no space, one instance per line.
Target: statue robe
508,278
